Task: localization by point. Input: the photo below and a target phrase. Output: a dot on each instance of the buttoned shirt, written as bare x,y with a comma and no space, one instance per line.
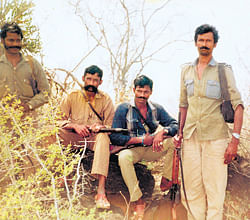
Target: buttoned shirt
76,109
126,116
17,81
203,99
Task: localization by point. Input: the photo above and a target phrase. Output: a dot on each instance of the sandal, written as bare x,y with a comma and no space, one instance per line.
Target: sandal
102,202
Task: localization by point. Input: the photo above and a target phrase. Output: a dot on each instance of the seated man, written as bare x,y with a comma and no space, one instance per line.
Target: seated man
86,112
149,125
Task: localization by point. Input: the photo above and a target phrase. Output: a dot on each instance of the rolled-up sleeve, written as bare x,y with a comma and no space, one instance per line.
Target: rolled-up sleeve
167,121
232,89
183,91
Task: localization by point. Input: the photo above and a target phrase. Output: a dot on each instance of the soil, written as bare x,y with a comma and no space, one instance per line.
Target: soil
159,206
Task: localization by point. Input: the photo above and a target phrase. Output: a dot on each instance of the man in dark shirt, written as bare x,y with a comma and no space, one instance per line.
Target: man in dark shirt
150,128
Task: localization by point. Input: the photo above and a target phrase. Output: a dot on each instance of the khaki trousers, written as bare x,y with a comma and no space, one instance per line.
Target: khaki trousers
205,177
98,143
127,158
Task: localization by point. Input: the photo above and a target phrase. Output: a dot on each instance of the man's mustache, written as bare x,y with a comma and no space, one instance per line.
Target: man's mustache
90,88
14,47
141,97
206,48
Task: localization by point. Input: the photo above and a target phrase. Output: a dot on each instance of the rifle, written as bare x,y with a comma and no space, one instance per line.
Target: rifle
175,194
113,130
110,130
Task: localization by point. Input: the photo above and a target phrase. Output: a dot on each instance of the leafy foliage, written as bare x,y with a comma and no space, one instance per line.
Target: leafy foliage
20,11
32,162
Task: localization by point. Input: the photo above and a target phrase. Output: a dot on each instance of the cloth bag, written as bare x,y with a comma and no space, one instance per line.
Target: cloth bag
226,106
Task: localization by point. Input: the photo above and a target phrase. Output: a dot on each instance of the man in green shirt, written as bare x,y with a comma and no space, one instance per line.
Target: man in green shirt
20,75
207,148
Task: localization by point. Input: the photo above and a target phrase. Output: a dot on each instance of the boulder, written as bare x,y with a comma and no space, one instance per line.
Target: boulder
115,183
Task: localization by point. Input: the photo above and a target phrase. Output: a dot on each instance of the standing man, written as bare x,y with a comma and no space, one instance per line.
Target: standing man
1,49
21,75
24,78
149,125
207,149
86,112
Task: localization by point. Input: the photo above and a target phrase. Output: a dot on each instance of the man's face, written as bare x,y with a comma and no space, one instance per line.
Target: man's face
91,82
205,44
142,94
12,43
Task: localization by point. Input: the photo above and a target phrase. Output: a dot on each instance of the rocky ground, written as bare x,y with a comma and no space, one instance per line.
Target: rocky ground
159,206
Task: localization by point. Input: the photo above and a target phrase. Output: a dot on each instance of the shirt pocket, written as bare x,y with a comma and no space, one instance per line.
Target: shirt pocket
189,83
213,89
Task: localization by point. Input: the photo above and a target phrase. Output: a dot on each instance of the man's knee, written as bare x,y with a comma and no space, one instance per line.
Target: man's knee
103,137
168,144
102,142
124,157
64,136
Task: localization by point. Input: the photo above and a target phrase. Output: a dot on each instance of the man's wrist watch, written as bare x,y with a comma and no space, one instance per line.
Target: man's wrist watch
236,135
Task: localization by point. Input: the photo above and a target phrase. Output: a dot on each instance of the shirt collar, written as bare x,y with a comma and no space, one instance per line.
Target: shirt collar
4,59
151,106
211,63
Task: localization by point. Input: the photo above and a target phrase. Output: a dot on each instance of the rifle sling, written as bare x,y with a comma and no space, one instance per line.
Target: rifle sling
92,108
144,120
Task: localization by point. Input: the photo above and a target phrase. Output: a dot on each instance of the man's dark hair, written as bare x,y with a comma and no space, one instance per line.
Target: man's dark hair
93,70
205,28
142,81
11,28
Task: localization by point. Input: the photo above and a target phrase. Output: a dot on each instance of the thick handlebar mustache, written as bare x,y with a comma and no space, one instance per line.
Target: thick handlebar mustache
206,48
16,47
90,88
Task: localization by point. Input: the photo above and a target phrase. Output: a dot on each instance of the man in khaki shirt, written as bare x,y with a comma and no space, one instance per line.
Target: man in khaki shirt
19,76
206,149
82,124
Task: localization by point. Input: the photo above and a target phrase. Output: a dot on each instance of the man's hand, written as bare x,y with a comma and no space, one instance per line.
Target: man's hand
231,151
82,130
158,141
178,140
148,140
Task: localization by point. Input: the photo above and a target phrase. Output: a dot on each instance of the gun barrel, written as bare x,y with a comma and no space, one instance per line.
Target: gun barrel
113,130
